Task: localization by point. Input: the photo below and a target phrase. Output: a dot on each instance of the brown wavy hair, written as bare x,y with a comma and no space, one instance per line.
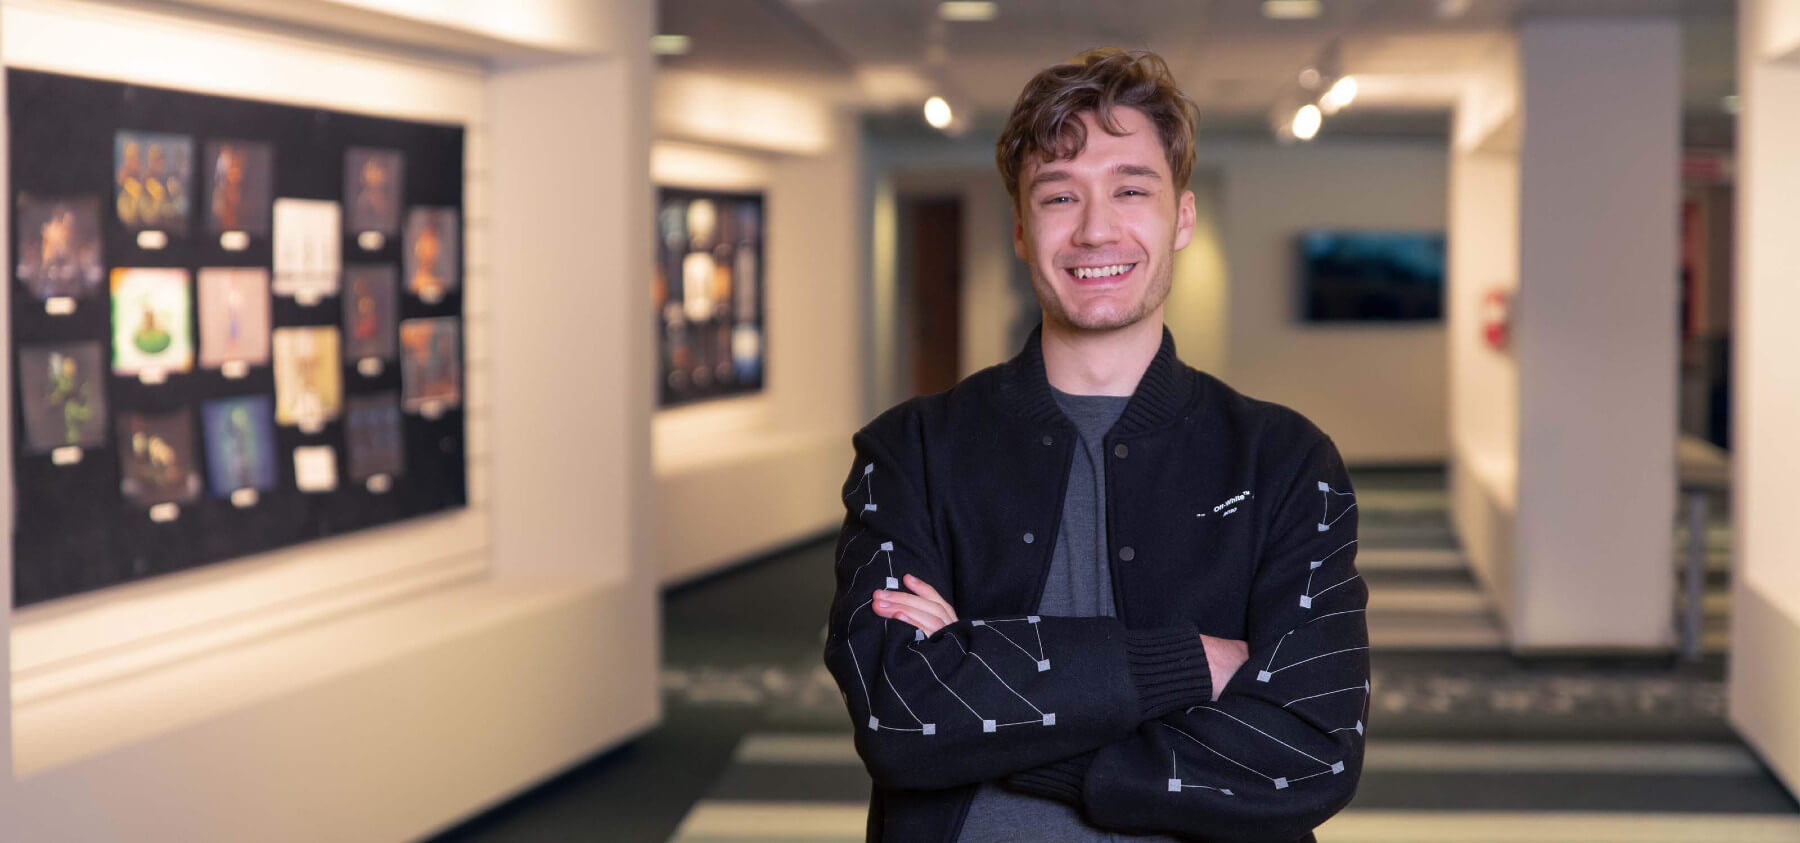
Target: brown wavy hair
1043,121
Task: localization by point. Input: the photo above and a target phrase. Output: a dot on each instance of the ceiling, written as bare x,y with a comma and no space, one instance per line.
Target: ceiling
886,56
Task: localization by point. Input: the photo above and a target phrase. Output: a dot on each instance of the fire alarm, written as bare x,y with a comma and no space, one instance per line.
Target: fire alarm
1496,319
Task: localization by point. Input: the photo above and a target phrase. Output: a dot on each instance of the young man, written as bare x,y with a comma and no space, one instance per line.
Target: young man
1050,576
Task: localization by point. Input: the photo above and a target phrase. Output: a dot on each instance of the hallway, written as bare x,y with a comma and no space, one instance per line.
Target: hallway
1467,742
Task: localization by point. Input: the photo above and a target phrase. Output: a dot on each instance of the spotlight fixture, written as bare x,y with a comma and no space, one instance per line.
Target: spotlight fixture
1341,94
963,11
937,113
1292,9
670,45
1307,121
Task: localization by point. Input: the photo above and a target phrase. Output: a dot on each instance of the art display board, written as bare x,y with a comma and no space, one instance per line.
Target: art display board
212,351
708,294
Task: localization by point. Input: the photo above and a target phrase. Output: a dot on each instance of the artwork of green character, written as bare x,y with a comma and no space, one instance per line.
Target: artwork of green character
151,338
69,390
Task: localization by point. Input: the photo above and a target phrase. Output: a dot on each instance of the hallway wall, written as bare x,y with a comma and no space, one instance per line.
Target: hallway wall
739,476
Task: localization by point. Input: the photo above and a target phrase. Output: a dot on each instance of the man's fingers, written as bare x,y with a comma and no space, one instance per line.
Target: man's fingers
914,605
924,589
925,621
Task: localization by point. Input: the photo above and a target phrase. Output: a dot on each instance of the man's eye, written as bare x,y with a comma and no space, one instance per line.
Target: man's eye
1131,191
1058,200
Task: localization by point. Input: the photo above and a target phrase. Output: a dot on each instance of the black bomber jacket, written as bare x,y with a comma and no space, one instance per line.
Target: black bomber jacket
1225,515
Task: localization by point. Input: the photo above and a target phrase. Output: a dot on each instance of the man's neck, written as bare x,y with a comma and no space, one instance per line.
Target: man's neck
1100,363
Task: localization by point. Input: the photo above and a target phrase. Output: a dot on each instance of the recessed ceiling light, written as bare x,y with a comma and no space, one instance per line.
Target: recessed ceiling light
670,45
1292,9
968,10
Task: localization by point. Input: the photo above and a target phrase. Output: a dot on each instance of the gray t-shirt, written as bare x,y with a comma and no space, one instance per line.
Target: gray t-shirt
1079,585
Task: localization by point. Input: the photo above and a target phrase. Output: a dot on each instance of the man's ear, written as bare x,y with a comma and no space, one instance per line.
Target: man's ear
1184,220
1019,237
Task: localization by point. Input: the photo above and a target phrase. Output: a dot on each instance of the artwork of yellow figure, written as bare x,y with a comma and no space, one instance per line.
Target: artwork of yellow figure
150,179
309,379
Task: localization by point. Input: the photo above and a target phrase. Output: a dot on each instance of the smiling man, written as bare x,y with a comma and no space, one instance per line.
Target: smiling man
1092,594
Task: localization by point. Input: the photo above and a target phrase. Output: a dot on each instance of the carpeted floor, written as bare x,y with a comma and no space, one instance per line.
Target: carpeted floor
1465,743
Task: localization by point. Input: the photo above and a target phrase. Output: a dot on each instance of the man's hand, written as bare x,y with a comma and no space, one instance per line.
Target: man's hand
1224,656
924,608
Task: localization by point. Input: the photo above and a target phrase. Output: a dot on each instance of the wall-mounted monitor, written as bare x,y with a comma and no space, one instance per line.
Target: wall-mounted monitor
1370,276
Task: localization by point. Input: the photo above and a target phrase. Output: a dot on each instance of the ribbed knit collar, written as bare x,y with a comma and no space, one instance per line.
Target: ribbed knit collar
1163,394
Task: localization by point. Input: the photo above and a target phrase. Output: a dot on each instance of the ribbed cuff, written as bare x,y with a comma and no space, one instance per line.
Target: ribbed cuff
1061,780
1169,667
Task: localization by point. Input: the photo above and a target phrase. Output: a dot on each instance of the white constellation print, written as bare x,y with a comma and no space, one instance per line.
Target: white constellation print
1042,662
867,481
1306,597
1325,520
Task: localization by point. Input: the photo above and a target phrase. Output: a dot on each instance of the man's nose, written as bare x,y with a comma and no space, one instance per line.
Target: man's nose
1099,225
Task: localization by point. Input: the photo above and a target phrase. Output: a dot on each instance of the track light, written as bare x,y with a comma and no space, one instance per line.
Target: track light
1307,121
937,113
1341,94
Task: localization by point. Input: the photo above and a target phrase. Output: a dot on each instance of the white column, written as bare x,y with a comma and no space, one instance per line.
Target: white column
1596,339
1765,629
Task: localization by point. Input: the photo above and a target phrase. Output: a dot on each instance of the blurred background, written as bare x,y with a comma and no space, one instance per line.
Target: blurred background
1530,263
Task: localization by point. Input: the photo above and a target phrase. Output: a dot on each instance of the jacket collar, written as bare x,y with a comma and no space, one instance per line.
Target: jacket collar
1163,394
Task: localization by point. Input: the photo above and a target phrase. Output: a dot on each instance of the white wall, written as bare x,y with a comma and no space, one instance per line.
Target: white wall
1563,478
739,476
1483,407
1378,390
466,656
1765,632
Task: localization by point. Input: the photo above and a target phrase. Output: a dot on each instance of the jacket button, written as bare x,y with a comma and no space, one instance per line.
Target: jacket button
1121,451
1048,440
1126,554
1029,538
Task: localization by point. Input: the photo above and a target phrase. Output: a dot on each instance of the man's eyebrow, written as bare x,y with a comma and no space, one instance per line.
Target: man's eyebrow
1048,176
1138,170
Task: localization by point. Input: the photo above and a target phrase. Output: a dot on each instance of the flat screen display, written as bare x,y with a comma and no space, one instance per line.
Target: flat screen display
1370,276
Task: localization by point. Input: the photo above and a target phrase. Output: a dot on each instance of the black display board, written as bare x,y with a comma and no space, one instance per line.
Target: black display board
129,464
708,294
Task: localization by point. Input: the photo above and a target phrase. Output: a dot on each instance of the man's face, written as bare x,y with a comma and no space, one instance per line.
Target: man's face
1100,231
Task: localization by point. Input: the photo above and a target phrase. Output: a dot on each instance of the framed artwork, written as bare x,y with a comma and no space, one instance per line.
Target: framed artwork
430,364
157,460
234,316
153,175
376,443
372,182
369,312
184,400
240,182
59,246
308,248
62,388
433,262
240,444
707,293
309,383
151,332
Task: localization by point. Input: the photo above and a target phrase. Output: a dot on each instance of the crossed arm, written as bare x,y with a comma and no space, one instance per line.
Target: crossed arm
926,610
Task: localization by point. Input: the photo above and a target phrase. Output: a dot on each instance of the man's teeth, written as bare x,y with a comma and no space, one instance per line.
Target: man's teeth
1103,271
